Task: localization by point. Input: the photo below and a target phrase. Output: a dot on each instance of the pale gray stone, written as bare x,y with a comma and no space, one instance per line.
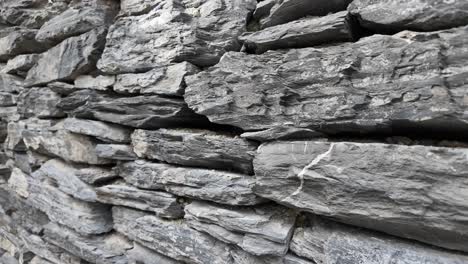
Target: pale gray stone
108,248
171,238
10,83
40,102
175,31
379,83
101,130
7,99
136,7
38,260
95,175
148,111
416,192
261,230
19,41
282,133
305,32
115,152
69,59
61,88
164,80
14,140
143,255
217,186
275,12
161,203
326,242
396,15
100,82
21,64
194,147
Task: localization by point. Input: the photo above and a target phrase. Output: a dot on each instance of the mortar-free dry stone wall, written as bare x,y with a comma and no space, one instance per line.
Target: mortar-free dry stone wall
234,131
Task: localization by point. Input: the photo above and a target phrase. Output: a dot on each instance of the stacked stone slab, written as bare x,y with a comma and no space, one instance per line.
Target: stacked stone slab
233,132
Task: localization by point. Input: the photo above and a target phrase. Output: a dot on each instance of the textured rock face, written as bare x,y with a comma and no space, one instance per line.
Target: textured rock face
328,242
139,111
217,186
379,81
233,132
78,55
416,192
193,31
198,148
395,15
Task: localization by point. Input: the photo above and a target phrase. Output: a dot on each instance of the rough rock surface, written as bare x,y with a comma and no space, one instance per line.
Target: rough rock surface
175,31
416,192
101,130
198,148
417,15
140,111
217,186
76,55
171,238
143,255
162,204
39,102
378,82
332,243
164,80
21,64
115,152
306,32
20,41
101,82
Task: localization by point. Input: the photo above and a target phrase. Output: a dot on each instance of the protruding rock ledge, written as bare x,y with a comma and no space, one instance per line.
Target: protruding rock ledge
146,111
101,130
411,80
262,230
193,147
324,241
416,192
115,152
217,186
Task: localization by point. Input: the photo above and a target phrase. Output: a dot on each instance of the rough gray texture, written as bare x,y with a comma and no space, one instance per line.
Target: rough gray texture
140,111
326,242
20,41
175,31
274,12
416,192
144,255
115,152
171,238
39,102
198,148
282,133
101,82
306,32
162,204
164,80
410,79
21,64
263,230
217,186
72,57
396,15
101,130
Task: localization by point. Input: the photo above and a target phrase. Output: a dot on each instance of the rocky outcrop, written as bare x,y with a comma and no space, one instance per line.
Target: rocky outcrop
217,186
409,191
198,148
407,80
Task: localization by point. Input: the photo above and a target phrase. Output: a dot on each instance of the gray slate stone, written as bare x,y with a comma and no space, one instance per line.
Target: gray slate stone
327,242
106,249
100,82
101,130
7,99
164,80
262,230
136,7
21,64
115,152
85,218
175,31
10,83
161,203
306,32
416,192
14,140
77,19
410,80
139,111
69,59
282,133
68,146
217,186
95,175
143,255
38,260
171,238
242,257
274,12
193,147
19,41
418,15
40,102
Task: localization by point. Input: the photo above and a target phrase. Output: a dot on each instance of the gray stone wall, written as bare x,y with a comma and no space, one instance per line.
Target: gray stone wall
234,131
